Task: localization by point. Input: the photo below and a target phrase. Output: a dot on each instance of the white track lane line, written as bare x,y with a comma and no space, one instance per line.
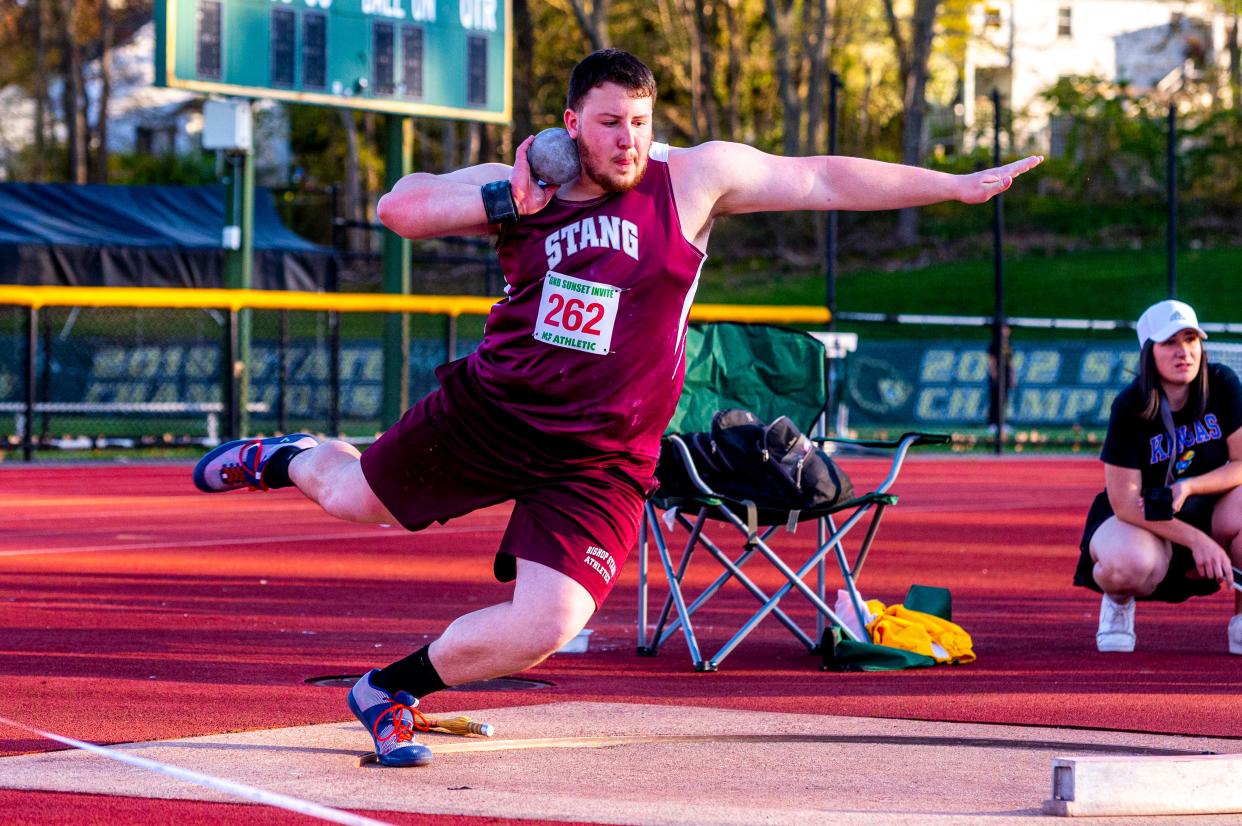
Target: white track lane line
267,798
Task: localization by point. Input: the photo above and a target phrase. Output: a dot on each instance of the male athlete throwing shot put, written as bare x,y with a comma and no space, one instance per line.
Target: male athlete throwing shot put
578,373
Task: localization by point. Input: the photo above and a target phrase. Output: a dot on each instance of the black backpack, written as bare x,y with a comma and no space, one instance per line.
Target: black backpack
767,474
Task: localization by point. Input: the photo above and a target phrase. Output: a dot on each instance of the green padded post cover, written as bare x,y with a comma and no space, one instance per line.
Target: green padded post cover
930,600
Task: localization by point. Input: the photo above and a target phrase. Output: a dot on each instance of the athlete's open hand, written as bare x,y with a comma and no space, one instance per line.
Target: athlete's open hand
983,186
530,196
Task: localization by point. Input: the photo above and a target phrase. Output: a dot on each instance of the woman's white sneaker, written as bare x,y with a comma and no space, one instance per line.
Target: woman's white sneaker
1116,632
1235,634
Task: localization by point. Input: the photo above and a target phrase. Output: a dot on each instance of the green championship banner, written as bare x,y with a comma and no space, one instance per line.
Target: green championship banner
92,371
948,383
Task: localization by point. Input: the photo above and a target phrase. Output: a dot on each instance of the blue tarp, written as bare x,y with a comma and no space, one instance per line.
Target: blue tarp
165,236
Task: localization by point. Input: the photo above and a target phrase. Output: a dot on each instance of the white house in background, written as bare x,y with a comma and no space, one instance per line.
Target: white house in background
144,118
1022,47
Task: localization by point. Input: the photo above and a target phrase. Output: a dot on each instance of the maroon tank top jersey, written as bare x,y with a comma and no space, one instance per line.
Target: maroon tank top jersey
588,344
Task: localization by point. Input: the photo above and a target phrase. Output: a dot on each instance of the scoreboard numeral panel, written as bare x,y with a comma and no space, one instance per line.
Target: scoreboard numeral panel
437,58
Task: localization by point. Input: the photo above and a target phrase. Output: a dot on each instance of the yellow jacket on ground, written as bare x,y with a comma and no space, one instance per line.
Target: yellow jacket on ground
898,627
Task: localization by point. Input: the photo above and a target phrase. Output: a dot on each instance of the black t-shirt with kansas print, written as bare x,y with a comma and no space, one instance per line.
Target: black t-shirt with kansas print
1135,442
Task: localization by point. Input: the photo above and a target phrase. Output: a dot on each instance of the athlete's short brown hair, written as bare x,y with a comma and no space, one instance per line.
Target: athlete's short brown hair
609,66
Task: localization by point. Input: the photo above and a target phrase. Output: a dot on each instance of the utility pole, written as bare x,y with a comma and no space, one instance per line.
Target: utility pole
228,127
396,394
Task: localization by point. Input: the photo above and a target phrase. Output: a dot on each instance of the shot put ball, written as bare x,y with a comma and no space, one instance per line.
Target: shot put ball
553,157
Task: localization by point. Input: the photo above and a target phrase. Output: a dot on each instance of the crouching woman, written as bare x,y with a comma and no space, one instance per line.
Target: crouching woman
1169,524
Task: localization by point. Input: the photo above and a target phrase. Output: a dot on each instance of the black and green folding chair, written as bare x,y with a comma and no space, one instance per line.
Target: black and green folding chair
771,371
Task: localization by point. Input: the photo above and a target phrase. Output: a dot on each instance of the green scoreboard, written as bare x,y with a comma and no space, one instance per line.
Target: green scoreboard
435,58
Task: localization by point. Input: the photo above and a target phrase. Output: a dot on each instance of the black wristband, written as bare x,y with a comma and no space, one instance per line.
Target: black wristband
498,202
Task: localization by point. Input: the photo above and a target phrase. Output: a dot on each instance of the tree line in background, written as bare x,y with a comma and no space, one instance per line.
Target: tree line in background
755,71
51,42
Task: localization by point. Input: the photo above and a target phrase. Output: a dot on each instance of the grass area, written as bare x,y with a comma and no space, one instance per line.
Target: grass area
965,440
13,453
1108,284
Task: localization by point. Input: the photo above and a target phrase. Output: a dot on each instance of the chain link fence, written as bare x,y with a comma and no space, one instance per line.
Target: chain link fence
119,377
159,377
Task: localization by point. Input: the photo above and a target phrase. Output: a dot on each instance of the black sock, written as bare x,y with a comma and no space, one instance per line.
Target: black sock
276,471
414,674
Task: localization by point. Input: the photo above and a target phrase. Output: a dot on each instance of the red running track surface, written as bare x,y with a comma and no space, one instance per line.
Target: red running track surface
133,607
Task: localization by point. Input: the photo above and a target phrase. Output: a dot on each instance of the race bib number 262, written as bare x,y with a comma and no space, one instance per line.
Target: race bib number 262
577,314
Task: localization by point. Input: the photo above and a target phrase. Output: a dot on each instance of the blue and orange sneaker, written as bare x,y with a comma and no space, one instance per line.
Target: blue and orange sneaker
239,464
391,720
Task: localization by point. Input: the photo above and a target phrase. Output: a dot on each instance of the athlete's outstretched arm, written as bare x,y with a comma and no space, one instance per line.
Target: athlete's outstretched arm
744,179
423,205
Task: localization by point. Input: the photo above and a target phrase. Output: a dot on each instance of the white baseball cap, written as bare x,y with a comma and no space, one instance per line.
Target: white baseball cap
1165,319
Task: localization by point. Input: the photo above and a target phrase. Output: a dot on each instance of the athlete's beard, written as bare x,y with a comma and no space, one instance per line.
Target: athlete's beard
602,175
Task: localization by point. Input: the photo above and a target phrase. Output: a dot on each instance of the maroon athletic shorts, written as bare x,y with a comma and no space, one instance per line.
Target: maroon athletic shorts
449,455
